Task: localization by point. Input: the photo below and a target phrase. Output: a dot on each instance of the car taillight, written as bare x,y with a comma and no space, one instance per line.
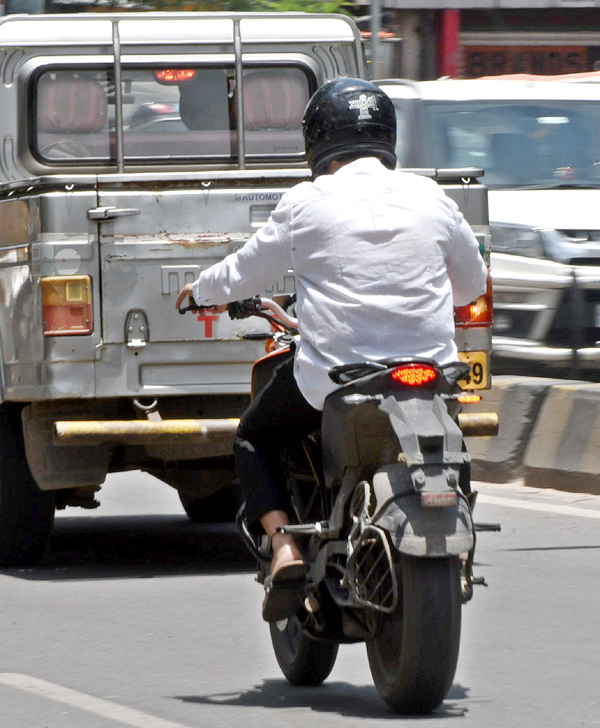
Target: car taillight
67,305
479,313
414,375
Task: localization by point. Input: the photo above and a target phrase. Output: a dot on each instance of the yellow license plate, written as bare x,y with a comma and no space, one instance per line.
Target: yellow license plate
478,361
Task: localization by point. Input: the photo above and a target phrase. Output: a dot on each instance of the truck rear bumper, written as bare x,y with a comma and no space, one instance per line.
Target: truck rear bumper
178,432
65,450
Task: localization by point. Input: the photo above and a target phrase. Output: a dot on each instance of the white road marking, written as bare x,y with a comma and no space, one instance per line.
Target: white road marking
97,706
537,506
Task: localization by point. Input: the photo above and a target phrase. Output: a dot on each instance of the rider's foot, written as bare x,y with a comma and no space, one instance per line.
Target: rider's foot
285,552
283,587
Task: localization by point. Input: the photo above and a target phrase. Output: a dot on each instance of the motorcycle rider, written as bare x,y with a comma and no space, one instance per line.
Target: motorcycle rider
380,259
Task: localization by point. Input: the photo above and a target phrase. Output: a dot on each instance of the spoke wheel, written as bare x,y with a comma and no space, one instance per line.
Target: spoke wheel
413,658
303,660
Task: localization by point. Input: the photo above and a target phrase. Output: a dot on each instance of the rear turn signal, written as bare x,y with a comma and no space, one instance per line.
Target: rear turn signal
67,305
414,375
479,313
468,398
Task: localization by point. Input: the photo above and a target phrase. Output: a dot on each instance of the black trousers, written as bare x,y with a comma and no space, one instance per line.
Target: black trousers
278,415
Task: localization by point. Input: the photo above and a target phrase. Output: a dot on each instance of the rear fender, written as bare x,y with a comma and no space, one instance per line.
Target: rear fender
416,530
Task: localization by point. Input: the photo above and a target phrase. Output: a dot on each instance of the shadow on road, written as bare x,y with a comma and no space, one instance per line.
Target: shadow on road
342,698
116,547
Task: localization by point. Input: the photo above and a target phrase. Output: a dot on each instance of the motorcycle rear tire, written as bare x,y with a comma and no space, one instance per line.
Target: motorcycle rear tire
413,658
303,660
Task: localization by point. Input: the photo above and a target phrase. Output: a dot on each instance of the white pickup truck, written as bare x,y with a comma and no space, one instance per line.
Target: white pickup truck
138,149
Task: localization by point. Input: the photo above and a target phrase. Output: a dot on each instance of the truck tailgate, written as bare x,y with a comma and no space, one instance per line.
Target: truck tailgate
153,241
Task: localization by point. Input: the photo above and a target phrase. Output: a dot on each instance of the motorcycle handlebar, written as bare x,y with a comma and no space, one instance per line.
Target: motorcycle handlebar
282,317
257,306
193,307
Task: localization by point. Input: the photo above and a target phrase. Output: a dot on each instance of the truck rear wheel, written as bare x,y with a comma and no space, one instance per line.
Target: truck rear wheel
26,512
218,507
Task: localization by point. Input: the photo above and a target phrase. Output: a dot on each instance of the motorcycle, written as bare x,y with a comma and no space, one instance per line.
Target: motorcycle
383,513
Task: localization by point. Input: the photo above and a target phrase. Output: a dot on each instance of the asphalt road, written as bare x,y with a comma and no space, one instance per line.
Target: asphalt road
139,618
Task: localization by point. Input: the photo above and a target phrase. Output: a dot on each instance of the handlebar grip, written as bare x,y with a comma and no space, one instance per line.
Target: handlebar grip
192,307
236,309
243,309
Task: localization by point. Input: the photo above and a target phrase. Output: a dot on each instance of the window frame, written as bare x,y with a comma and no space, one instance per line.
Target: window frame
97,64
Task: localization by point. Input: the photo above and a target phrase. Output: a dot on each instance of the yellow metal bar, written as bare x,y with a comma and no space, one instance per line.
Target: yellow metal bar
140,432
478,424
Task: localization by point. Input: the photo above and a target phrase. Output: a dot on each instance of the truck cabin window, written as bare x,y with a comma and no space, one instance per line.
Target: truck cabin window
177,115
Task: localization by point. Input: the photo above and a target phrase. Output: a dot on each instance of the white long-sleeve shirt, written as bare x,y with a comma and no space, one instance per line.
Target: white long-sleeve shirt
380,258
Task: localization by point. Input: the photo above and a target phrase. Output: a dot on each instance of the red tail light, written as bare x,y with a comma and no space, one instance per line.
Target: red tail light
414,375
479,313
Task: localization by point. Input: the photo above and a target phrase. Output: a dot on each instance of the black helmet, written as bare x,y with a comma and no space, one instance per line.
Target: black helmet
348,116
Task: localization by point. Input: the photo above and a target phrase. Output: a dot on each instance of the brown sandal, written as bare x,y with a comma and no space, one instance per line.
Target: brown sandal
283,588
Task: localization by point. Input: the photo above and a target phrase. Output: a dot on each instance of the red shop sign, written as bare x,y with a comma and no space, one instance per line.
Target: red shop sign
541,60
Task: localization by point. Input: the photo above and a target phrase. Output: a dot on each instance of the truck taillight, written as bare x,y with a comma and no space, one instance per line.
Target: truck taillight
479,313
67,305
174,75
414,375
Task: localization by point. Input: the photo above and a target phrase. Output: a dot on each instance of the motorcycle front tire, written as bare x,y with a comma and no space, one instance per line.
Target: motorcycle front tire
303,660
414,655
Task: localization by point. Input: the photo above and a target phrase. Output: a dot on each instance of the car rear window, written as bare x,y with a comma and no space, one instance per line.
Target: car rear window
169,114
516,143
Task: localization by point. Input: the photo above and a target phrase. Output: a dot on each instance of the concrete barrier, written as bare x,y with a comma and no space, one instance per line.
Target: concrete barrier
517,401
563,448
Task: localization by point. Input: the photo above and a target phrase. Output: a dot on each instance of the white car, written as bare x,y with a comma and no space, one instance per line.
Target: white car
538,143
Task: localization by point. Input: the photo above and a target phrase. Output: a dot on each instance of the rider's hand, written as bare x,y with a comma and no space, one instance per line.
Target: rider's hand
188,291
216,309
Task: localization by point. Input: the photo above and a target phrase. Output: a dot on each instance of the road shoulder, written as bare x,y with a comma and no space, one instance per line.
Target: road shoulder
516,495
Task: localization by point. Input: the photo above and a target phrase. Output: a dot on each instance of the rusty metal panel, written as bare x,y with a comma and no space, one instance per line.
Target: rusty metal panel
147,259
